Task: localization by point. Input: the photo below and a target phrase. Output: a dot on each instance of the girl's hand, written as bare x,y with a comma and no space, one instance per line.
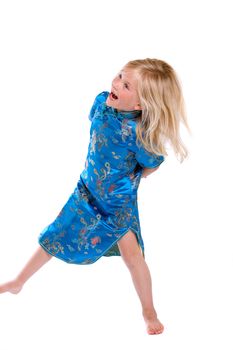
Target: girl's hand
147,171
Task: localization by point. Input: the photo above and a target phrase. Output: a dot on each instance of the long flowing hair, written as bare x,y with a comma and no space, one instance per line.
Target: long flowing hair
162,104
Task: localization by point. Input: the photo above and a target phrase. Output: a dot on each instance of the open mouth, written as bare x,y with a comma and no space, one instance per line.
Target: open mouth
113,96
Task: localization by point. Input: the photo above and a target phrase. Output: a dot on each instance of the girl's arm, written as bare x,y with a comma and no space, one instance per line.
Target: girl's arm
148,171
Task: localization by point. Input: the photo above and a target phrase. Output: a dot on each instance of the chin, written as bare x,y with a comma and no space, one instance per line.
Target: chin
110,103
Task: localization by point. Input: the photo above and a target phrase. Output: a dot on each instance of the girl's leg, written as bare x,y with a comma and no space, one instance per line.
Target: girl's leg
132,256
38,259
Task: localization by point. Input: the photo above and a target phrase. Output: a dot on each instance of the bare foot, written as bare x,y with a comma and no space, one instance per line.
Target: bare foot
13,287
154,326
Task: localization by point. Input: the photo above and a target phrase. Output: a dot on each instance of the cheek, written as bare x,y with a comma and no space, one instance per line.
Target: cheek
126,95
126,100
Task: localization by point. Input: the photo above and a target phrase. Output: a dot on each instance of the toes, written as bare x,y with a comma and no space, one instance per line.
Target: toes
159,331
152,331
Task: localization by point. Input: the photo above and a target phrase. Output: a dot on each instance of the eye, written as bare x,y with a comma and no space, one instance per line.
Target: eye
126,86
120,75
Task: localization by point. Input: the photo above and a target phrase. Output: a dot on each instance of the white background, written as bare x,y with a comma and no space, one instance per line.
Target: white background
56,56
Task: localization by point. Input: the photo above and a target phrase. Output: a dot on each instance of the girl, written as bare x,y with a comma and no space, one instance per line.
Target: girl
130,128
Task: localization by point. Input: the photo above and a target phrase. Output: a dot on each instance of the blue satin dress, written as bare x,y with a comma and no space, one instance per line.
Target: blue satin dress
103,206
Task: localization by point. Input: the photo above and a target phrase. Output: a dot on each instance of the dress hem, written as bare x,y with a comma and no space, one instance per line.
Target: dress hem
87,261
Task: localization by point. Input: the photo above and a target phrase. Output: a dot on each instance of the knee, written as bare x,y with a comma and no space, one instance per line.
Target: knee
132,261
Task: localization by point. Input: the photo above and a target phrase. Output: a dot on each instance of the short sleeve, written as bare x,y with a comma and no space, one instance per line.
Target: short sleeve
102,97
147,159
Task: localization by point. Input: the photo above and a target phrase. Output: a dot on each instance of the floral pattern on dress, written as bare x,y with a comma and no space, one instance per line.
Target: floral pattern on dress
103,206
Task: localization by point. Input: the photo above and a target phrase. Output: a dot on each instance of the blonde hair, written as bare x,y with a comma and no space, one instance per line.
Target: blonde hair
162,104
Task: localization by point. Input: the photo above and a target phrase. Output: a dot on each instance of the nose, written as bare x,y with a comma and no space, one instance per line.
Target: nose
115,83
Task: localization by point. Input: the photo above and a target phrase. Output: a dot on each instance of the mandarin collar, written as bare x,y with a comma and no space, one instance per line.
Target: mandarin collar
121,114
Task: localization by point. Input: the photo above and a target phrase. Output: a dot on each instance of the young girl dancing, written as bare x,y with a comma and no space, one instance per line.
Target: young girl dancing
130,129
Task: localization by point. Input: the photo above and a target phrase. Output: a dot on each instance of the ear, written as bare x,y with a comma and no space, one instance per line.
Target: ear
138,107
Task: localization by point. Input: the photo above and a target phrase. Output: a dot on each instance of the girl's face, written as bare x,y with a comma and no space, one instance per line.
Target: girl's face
124,96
